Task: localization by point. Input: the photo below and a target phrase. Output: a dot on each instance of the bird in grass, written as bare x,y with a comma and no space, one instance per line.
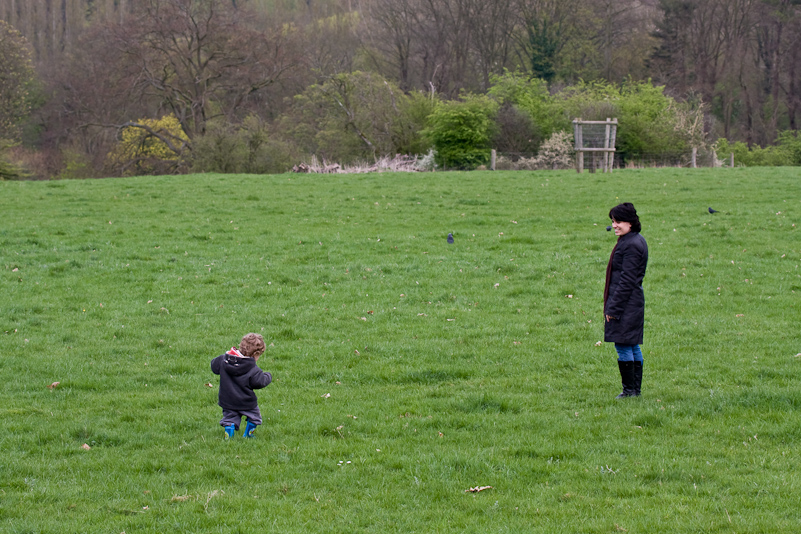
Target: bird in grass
608,228
712,211
450,239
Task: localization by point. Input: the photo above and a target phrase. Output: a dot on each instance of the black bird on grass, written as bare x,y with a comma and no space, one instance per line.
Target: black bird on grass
608,228
450,239
712,211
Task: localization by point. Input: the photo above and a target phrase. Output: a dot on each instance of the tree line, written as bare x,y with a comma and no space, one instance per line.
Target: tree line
362,78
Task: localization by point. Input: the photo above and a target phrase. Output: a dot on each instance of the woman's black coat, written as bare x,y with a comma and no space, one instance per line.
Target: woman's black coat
626,300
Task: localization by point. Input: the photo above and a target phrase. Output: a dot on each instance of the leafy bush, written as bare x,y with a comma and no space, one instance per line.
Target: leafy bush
648,122
786,152
531,96
356,117
460,132
515,131
428,162
8,169
150,146
76,165
789,142
247,148
555,153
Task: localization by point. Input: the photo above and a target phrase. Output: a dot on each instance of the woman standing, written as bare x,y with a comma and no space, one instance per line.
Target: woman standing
624,300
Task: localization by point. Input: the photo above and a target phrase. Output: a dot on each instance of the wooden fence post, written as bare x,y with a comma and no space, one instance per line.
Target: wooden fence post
695,153
607,132
493,154
577,146
612,145
731,160
580,145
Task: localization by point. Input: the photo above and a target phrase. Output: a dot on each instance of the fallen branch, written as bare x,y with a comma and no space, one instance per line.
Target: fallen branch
399,163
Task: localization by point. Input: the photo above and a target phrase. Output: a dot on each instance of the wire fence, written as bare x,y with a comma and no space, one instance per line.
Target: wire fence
594,161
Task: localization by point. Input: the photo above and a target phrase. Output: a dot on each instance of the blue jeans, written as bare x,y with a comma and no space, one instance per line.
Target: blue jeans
628,353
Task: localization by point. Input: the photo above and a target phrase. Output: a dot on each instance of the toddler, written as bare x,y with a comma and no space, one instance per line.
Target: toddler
239,376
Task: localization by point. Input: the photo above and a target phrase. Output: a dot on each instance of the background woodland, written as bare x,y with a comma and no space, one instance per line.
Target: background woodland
117,87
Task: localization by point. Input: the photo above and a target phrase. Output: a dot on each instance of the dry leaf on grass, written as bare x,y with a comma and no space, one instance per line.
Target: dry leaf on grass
85,447
327,395
477,489
209,385
54,385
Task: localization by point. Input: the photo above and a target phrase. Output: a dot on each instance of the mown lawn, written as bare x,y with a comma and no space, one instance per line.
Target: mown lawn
406,370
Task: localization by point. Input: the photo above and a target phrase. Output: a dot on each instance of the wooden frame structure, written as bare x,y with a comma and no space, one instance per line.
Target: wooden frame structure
608,148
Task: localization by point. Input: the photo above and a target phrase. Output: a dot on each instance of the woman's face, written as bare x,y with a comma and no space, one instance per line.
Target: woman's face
621,228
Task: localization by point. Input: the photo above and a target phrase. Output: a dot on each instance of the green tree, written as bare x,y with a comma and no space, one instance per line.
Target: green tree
544,43
357,116
461,132
150,146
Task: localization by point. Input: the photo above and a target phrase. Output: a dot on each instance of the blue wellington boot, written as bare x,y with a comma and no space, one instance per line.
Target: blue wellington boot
229,431
249,429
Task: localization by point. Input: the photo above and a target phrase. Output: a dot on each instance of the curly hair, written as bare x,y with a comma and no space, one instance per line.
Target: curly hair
252,345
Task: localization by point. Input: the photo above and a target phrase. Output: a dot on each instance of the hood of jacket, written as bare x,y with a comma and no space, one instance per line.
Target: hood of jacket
236,365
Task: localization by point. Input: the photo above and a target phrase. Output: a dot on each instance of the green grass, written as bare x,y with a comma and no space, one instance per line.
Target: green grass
448,366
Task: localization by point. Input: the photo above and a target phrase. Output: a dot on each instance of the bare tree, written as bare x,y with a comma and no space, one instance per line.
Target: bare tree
623,37
408,40
491,31
200,58
714,48
197,59
445,45
16,74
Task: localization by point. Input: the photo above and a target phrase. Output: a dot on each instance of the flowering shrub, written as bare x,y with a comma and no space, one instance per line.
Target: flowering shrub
150,146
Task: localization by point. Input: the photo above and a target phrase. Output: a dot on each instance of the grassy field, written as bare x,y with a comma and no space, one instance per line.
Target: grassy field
406,370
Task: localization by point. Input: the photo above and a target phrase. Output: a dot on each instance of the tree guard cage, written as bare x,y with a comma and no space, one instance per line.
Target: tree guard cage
597,138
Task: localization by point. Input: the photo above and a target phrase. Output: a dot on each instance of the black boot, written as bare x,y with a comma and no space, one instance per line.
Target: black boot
637,378
627,378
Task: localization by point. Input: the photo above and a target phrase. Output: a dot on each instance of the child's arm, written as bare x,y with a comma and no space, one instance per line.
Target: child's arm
215,365
260,380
